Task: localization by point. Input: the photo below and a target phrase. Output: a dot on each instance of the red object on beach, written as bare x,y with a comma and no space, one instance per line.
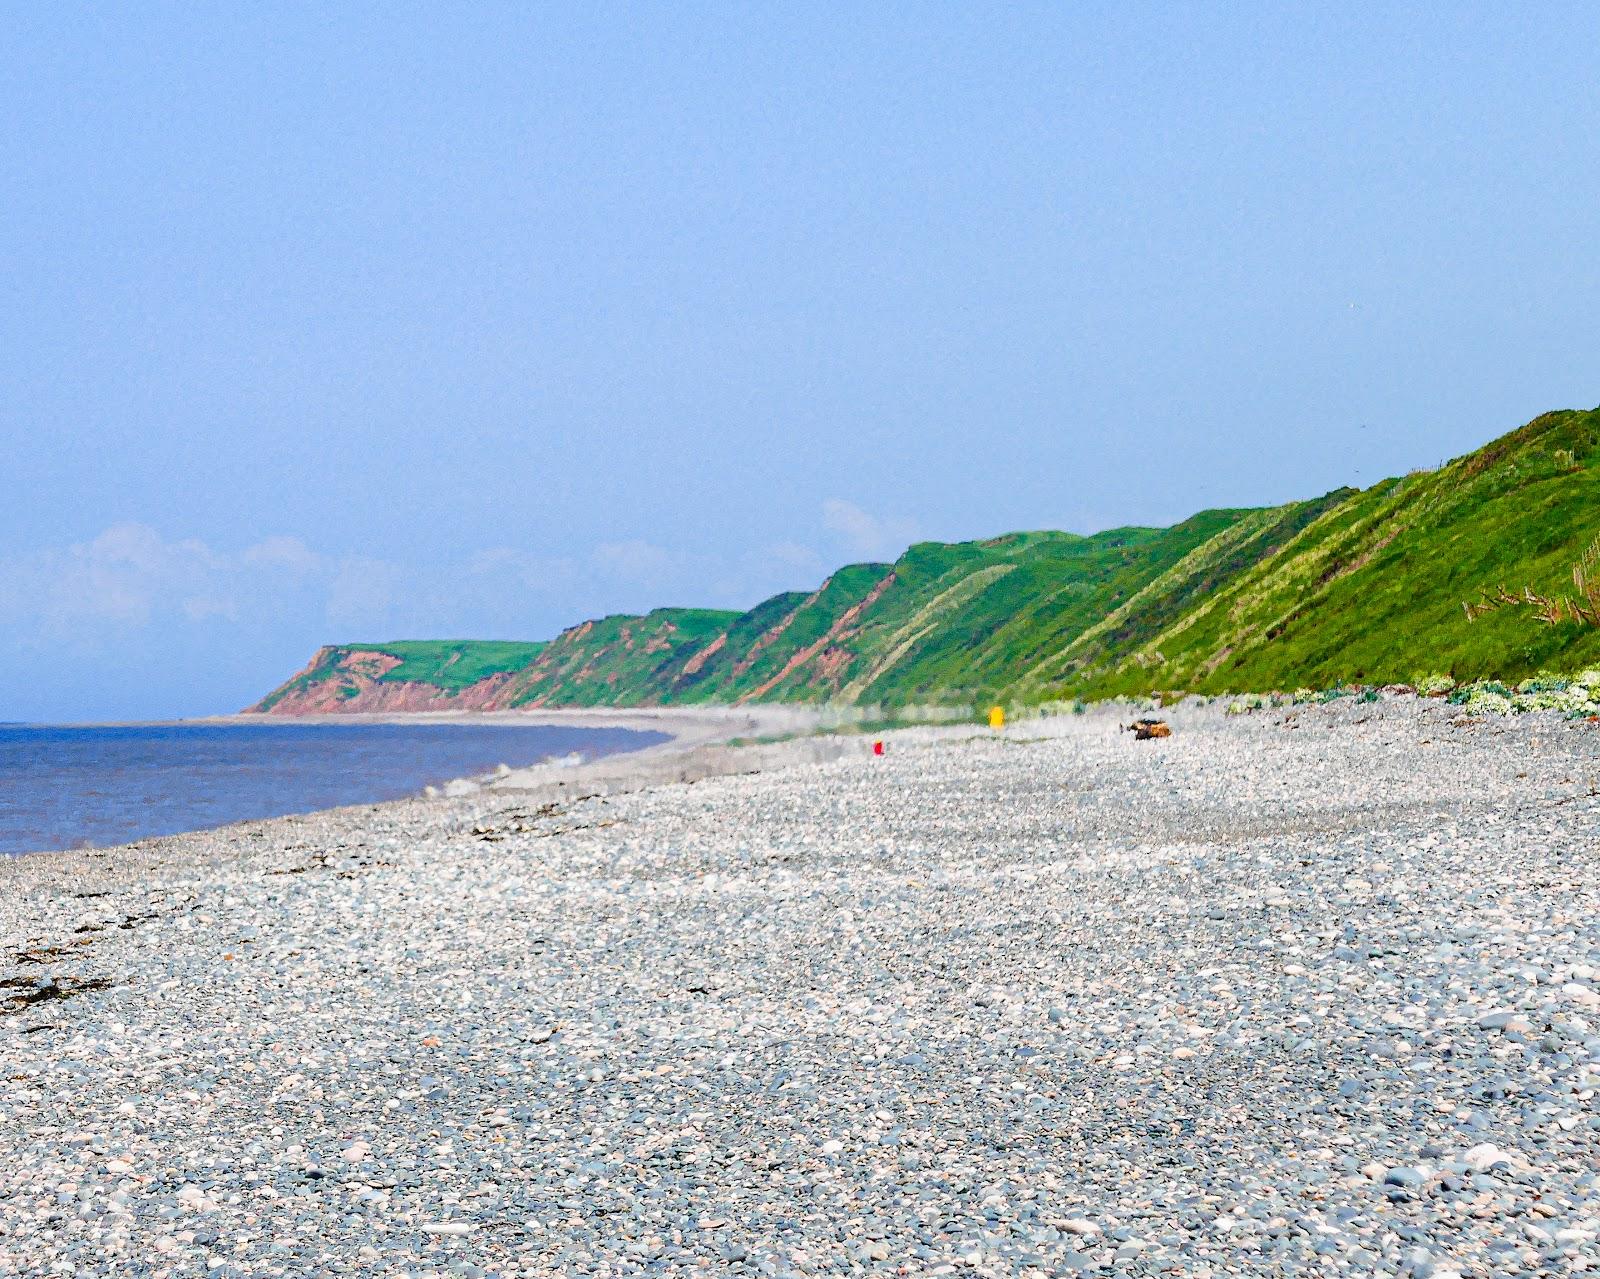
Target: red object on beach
877,748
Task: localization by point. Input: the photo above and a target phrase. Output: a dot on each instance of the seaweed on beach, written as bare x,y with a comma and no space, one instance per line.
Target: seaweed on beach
48,954
567,830
519,822
29,991
327,861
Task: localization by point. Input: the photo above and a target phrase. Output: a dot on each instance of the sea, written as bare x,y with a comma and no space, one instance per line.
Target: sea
94,787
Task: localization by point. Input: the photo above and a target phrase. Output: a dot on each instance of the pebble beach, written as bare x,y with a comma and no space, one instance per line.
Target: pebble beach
1309,991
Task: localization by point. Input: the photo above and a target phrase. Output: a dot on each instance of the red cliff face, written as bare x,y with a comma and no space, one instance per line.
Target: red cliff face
822,656
670,655
489,694
356,686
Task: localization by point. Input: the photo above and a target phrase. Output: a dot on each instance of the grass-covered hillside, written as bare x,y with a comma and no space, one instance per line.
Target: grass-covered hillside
1372,590
1356,586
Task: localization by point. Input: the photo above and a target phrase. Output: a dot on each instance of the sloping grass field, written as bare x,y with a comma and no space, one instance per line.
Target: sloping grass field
1358,586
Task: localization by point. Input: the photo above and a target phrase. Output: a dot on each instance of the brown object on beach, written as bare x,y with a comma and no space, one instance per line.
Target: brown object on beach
1144,729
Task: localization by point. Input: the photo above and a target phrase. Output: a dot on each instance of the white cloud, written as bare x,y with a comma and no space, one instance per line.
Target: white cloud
198,608
288,553
363,593
761,572
507,570
119,578
791,557
635,561
866,536
131,578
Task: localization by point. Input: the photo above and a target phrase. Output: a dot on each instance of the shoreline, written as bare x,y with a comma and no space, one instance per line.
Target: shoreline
702,743
697,746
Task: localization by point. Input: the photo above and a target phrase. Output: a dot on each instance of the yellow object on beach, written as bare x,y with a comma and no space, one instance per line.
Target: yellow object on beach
997,717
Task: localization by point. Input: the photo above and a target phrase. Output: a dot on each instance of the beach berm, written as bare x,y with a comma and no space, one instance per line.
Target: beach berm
1306,991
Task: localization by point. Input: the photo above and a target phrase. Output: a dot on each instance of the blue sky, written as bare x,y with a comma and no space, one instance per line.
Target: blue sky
397,322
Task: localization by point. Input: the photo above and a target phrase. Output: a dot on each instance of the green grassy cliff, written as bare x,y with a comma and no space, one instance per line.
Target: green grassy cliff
1372,589
1355,586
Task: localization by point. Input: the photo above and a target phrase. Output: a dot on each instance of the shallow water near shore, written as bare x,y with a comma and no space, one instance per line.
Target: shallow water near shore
83,786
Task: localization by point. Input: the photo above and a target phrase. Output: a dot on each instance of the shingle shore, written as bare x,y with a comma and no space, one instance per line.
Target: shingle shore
1305,992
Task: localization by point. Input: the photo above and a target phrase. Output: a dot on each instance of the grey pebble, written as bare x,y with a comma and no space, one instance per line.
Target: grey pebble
1259,1001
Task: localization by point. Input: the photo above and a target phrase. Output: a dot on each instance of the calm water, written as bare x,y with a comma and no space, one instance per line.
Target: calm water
75,787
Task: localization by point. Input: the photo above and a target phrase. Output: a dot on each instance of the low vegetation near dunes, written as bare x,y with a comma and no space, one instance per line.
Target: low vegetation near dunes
1358,586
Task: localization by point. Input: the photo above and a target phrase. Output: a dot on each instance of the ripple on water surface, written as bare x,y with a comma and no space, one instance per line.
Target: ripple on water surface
69,787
